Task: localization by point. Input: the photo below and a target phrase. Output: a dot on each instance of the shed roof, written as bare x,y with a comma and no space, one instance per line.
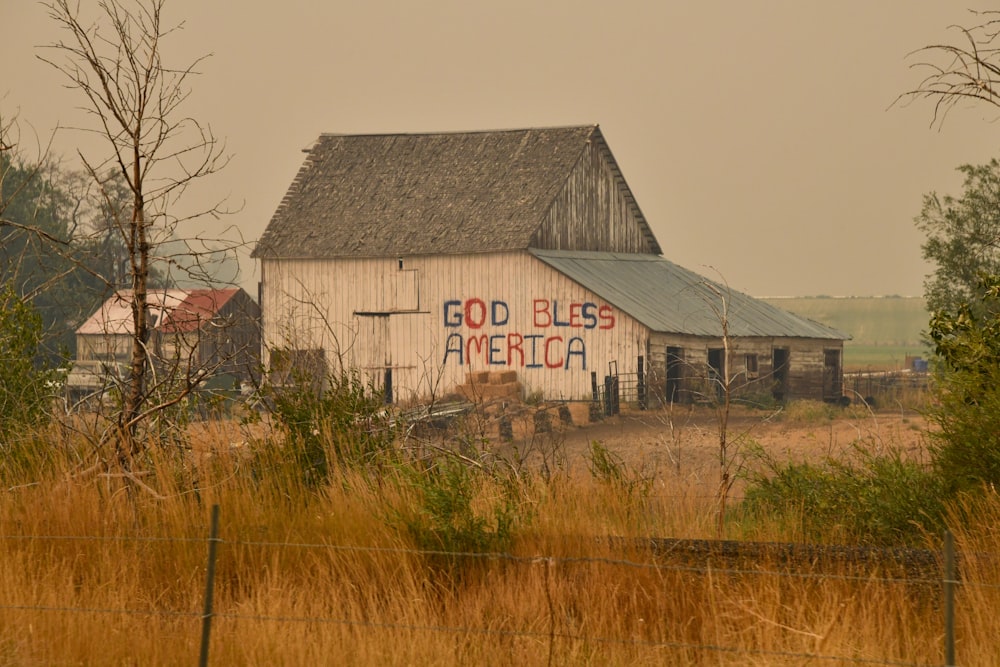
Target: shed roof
171,311
668,298
394,195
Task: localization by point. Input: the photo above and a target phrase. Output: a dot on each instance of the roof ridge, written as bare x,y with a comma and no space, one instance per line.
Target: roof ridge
402,194
434,133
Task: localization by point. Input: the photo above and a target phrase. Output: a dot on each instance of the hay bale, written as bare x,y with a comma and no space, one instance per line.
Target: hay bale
477,377
503,377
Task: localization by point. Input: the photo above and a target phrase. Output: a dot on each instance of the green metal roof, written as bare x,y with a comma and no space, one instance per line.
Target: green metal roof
668,298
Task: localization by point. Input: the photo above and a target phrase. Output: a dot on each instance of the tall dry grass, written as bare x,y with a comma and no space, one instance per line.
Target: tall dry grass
96,571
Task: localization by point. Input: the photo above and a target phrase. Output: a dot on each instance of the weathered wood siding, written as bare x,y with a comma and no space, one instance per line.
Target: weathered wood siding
235,339
433,320
103,347
593,211
751,367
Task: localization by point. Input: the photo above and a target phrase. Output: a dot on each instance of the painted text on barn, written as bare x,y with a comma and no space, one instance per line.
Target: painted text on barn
547,346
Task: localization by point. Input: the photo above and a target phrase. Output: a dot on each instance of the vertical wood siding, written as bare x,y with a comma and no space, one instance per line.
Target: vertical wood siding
805,373
592,212
535,321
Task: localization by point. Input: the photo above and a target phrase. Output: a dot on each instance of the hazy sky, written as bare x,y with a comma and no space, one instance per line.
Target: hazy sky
756,135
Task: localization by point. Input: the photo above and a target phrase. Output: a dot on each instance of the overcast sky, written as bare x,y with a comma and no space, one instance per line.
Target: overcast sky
756,135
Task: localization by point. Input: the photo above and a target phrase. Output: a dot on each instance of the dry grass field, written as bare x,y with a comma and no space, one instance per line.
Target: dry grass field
688,437
96,572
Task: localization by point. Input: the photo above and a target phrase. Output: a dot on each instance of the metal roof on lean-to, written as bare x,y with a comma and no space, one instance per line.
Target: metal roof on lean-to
668,298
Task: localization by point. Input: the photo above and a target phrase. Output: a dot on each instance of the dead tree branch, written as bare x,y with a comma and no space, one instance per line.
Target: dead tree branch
958,73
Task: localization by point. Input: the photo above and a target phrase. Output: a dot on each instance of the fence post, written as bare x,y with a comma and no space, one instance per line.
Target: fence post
206,619
949,599
608,407
641,390
612,405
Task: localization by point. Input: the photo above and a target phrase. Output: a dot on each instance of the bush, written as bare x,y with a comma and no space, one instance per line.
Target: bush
460,508
343,422
966,445
882,499
27,388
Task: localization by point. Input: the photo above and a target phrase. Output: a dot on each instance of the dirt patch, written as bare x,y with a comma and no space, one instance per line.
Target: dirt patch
685,443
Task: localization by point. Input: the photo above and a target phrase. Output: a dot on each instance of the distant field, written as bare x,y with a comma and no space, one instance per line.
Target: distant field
880,357
884,330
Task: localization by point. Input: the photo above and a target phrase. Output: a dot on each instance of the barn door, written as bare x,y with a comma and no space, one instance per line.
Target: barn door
675,374
779,371
717,370
832,376
374,353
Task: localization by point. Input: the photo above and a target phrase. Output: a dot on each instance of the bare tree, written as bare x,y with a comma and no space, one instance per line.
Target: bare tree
723,388
134,101
956,73
725,384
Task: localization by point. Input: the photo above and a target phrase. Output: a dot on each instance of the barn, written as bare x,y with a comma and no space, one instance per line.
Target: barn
192,330
430,262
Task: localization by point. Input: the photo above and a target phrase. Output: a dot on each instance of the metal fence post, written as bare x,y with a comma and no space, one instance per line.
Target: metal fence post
949,599
641,388
206,619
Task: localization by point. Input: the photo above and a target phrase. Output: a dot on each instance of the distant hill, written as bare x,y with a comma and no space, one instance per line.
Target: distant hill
884,330
885,320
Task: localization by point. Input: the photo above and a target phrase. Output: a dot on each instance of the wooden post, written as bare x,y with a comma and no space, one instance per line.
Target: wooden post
641,389
206,619
949,599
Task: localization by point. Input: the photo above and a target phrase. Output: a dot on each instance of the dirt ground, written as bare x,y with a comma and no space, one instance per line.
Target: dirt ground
685,442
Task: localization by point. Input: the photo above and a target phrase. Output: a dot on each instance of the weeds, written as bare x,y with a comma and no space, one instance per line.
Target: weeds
307,569
609,469
344,422
459,509
879,498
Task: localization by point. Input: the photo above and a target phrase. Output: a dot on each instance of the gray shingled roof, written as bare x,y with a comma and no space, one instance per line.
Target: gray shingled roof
416,194
668,298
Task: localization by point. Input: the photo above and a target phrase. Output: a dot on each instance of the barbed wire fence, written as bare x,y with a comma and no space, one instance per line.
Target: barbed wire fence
947,581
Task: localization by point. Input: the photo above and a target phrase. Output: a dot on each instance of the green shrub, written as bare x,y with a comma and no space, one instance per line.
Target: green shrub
758,400
966,444
343,422
27,388
881,499
460,508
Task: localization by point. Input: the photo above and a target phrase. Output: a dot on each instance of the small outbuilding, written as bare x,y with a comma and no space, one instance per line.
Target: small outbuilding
430,262
213,333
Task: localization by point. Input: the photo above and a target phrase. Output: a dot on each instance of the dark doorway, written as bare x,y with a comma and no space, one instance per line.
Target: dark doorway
832,377
675,374
779,371
717,369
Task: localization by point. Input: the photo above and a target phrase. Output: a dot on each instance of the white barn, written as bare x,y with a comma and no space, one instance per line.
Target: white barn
420,259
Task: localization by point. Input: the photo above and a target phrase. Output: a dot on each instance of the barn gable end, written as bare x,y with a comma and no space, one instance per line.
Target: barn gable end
595,210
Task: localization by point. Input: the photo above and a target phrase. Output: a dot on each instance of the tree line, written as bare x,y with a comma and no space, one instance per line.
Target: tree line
59,249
